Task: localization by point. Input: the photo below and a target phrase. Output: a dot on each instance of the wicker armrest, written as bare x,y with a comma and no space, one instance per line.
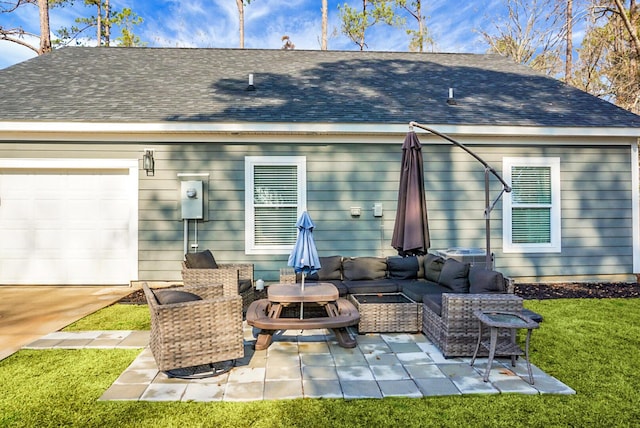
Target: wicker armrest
245,269
458,307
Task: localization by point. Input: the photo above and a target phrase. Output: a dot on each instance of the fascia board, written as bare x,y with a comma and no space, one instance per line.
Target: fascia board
170,131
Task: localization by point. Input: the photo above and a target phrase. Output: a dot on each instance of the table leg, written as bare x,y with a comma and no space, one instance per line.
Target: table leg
342,335
492,352
514,332
475,353
265,337
526,355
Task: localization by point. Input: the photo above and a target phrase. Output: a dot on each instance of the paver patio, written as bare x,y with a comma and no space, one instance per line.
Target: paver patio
311,364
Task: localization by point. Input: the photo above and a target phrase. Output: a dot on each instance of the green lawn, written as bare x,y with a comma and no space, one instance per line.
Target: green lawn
591,345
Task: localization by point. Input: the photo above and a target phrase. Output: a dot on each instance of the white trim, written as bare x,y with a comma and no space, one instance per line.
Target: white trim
555,245
249,162
130,164
98,131
635,207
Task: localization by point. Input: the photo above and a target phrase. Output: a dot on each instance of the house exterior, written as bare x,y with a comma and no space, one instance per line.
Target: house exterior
319,131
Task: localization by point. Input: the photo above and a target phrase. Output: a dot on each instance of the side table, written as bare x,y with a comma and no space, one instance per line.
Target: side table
512,321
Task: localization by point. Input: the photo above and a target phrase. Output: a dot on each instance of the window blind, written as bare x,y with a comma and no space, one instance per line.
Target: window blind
531,204
275,204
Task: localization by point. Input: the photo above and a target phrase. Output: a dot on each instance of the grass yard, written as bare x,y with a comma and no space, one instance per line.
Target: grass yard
592,345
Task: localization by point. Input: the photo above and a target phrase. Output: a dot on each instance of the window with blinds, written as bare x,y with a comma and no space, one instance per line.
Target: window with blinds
532,209
276,188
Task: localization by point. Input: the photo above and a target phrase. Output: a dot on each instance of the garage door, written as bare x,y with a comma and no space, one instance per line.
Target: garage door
64,223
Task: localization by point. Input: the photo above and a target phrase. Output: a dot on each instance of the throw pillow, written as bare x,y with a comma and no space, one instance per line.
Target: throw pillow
168,297
455,275
201,260
432,267
364,268
485,281
403,267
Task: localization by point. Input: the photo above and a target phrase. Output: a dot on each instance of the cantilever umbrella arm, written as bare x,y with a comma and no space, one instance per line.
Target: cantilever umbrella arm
487,169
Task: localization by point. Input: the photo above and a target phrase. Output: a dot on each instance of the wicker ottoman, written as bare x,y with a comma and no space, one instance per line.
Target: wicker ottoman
387,313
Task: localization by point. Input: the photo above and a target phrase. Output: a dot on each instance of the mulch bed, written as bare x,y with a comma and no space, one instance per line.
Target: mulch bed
534,291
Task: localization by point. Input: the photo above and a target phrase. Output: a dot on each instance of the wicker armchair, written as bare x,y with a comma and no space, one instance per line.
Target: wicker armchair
195,333
455,331
235,277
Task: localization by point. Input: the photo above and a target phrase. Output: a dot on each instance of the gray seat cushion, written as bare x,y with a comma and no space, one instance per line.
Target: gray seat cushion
372,286
434,303
416,289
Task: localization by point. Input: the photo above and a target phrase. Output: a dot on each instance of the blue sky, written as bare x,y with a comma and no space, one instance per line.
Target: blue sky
214,24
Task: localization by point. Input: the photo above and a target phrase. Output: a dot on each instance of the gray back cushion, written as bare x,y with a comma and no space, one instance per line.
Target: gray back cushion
403,267
455,275
432,267
485,281
330,269
201,260
364,268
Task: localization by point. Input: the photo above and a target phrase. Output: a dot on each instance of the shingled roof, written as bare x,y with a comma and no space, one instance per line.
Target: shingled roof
138,85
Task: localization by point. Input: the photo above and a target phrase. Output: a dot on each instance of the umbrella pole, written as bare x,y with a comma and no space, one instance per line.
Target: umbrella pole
302,302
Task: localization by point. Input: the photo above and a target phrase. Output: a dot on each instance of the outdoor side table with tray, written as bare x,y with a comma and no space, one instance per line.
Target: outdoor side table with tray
496,320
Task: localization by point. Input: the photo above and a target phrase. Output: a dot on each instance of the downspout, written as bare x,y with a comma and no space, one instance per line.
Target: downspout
635,205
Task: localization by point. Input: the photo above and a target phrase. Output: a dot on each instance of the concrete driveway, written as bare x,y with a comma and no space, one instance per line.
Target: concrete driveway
30,312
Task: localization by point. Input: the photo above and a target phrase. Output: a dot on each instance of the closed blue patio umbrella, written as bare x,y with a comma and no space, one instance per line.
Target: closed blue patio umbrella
304,257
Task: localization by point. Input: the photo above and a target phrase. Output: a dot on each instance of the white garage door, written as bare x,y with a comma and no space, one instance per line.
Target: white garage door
64,223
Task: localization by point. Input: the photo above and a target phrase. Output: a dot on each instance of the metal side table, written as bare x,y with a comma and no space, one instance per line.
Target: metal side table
496,320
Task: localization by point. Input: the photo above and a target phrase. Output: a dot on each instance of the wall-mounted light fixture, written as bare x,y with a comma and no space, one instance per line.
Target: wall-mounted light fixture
148,163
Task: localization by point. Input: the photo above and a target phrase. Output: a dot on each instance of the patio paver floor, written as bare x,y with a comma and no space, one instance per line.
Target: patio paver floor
310,364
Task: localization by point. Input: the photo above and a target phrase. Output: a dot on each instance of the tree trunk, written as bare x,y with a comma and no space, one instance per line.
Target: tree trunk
420,25
99,23
364,23
324,25
630,28
240,4
107,23
45,31
568,60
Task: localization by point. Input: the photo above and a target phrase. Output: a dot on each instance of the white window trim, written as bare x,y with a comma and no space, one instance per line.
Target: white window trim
249,163
555,245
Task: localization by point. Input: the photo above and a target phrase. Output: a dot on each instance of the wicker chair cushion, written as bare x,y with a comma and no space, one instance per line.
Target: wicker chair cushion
330,269
403,267
455,275
432,267
433,302
201,260
364,268
168,297
485,281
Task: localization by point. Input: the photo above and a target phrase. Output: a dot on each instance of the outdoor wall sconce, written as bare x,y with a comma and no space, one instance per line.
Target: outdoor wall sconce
148,163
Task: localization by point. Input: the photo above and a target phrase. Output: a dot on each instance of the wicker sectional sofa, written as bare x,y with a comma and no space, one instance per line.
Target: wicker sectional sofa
449,291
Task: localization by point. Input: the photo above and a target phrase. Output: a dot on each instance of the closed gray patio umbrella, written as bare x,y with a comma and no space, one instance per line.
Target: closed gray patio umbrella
304,257
411,229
